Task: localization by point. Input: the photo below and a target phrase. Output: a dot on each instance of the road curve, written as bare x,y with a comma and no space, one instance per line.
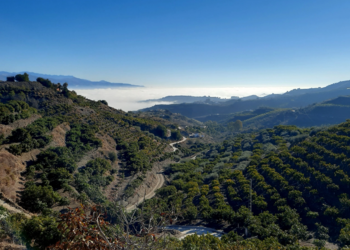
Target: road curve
149,195
160,182
172,144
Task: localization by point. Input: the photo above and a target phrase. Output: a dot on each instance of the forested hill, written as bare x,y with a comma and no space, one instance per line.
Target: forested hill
296,181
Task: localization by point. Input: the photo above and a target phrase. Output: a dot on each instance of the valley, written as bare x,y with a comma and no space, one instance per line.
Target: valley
269,176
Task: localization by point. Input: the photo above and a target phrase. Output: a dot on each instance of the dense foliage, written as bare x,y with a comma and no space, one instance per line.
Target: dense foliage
299,184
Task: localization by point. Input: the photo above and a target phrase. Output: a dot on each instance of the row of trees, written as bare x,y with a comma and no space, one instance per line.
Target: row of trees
300,188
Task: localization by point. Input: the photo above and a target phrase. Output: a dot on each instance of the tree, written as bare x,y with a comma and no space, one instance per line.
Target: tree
65,90
176,135
104,102
161,131
45,82
22,78
40,231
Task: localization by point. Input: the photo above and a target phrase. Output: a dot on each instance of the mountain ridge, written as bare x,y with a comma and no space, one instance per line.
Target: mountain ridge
74,82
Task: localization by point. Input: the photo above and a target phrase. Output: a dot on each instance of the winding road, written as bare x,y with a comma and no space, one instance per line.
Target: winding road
172,144
185,230
149,195
160,182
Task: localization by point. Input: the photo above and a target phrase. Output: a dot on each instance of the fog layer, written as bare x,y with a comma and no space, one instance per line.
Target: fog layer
128,99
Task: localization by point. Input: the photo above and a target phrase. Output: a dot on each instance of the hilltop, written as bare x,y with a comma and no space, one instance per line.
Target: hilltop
74,82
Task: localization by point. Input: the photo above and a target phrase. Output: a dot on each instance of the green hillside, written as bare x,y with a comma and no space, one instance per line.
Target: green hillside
300,185
282,187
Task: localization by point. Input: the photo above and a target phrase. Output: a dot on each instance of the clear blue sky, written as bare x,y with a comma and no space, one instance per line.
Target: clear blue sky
180,42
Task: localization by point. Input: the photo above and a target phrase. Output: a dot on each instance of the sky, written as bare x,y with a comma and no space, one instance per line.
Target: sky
180,43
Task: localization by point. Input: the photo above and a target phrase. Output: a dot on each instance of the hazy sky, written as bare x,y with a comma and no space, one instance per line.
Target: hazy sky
180,43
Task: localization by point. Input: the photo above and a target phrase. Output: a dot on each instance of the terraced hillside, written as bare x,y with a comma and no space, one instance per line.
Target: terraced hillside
59,149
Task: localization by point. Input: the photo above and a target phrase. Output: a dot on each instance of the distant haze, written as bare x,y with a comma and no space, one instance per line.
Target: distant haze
128,99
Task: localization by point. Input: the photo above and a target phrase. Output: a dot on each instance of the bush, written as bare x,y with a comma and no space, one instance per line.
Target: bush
112,156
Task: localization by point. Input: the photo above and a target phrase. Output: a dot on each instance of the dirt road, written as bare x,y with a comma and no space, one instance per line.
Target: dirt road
172,144
159,184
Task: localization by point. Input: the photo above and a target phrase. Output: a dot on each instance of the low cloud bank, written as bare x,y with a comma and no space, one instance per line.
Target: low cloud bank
128,99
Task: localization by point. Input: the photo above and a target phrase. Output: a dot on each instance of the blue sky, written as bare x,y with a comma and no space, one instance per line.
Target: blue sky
182,43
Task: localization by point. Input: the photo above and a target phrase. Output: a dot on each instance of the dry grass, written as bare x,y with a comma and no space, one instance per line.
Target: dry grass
10,168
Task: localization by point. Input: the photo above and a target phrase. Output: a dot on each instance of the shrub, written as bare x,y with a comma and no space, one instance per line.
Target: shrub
112,156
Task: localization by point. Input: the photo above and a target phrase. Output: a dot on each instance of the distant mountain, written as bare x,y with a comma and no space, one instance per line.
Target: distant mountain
191,99
326,113
251,97
73,82
296,98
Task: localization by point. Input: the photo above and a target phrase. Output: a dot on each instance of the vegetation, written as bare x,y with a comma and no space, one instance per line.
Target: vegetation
271,188
22,77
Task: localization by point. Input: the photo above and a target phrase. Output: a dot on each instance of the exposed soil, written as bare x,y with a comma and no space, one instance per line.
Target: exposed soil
59,135
6,130
10,246
308,243
24,122
10,173
12,207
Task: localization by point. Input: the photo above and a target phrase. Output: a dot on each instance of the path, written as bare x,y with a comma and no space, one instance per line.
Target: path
188,230
152,193
160,182
172,144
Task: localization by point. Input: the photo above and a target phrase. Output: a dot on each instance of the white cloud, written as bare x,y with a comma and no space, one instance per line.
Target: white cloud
128,99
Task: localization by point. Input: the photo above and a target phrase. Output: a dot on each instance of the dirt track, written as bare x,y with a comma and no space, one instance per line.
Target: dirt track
160,183
172,144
